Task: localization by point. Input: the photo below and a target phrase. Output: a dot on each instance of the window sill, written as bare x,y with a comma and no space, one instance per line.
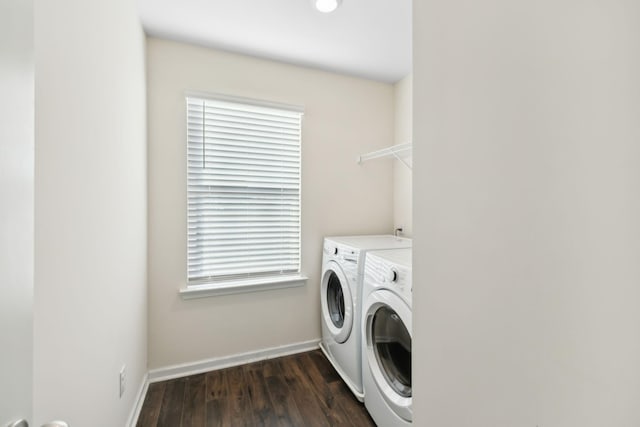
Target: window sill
205,290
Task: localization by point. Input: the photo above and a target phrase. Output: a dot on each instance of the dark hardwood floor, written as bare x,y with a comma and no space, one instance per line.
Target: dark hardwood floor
298,390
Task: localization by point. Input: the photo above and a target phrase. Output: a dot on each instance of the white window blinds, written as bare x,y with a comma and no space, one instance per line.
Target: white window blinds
243,190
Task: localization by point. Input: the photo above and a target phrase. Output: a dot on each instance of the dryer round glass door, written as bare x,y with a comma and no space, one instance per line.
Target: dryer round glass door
337,303
388,347
391,344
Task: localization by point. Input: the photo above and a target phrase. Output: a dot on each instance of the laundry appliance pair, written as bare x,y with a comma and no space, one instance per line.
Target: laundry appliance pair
341,295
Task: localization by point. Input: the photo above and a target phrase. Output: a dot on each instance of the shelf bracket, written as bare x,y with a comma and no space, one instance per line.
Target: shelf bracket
395,151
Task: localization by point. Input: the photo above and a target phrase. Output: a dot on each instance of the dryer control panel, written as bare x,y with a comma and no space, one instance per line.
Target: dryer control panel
383,272
398,278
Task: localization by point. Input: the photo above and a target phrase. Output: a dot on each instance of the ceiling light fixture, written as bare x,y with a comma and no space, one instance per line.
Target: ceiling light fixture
326,6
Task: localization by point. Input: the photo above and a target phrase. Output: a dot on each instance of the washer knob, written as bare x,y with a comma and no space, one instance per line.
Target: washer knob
392,275
334,250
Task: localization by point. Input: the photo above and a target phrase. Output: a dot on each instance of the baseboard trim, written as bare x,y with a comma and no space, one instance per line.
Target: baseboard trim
192,368
137,407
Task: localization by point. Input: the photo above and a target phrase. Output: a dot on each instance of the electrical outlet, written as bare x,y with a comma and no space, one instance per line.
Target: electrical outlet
123,379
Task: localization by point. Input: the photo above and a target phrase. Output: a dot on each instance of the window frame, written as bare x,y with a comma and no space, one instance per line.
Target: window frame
205,287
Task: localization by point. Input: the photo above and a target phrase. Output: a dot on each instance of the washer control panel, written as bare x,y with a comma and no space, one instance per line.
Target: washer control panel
346,256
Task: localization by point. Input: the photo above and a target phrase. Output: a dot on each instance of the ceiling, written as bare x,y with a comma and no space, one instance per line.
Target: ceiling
364,38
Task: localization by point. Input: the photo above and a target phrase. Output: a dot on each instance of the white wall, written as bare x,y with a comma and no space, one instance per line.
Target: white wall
16,208
527,238
344,117
90,211
402,177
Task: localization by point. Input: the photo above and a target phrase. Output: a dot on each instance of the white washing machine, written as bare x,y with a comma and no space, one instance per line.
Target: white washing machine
386,337
341,301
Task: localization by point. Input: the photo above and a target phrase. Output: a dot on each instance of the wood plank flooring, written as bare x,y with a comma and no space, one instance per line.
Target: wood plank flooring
293,391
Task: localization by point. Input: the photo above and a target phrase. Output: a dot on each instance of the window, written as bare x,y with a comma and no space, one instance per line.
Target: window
243,192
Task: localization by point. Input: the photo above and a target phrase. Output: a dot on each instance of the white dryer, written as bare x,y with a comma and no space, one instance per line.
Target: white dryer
386,337
341,301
